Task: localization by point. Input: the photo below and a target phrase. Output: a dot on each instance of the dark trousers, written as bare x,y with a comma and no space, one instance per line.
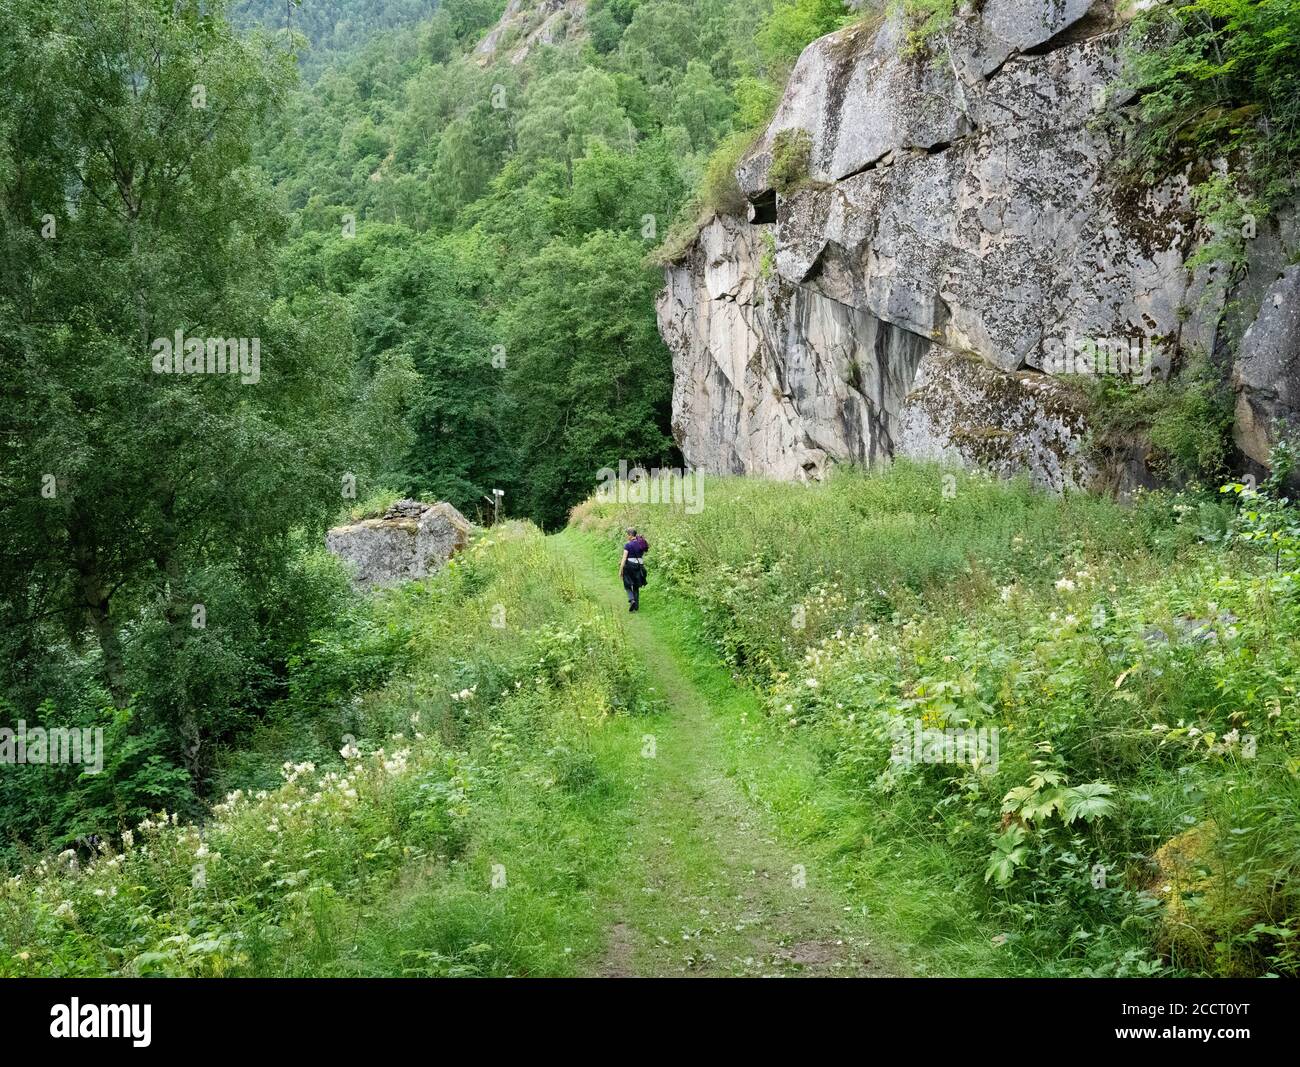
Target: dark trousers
633,580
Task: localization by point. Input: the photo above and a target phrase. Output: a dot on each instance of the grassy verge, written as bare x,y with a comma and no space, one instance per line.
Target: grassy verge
713,885
464,826
895,887
1139,813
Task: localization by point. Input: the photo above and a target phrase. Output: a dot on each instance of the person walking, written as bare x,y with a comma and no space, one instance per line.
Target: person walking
631,568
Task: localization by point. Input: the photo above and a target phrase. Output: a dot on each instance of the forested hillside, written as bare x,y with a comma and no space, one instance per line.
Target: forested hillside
332,28
491,222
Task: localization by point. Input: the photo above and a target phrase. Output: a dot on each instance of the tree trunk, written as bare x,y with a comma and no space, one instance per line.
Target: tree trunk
95,598
176,611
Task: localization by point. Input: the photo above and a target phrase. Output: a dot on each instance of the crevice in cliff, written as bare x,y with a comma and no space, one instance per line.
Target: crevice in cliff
1096,22
762,208
937,147
883,160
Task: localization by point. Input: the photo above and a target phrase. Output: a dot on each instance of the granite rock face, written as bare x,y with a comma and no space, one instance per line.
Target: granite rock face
961,234
527,25
1267,372
410,540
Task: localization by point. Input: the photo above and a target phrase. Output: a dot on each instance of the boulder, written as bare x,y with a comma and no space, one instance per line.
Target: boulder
412,539
1208,904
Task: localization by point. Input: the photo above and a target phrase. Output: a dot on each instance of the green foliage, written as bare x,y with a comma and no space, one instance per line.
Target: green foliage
1140,678
766,549
756,100
333,29
1267,518
162,553
928,20
593,383
794,24
1187,418
1046,795
767,261
791,149
1217,80
719,191
1231,220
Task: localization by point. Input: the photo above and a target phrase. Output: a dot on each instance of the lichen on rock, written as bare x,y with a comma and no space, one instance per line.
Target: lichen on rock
411,540
960,218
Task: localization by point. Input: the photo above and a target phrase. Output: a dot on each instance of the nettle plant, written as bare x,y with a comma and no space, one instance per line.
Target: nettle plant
1267,517
1045,800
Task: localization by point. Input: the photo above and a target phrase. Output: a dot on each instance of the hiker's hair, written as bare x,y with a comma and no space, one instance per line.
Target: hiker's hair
632,530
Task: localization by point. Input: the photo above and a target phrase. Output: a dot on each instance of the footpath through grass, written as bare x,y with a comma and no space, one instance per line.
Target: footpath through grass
710,884
1130,673
544,786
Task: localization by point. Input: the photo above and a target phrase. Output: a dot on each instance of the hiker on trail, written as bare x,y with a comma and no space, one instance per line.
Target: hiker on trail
631,568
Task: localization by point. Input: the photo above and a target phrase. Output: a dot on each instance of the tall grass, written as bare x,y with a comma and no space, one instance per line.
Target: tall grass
1140,816
444,830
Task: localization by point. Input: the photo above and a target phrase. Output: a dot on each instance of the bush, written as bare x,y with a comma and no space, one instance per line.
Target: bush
791,150
1188,420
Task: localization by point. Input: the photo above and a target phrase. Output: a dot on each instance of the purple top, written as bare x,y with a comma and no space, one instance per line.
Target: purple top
637,547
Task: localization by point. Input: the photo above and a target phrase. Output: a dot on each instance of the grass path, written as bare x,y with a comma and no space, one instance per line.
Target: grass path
707,886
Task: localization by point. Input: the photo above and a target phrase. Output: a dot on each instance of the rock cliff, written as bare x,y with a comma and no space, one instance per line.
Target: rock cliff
526,25
934,241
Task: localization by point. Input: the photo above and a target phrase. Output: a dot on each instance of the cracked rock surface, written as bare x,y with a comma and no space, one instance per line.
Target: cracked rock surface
412,539
962,216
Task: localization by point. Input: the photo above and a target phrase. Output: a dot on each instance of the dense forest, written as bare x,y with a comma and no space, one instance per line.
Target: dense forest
448,266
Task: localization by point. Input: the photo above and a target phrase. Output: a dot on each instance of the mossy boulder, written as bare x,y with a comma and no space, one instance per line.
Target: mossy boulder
412,539
1207,903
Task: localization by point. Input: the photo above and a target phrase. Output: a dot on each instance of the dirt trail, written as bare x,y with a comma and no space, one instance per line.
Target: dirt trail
708,888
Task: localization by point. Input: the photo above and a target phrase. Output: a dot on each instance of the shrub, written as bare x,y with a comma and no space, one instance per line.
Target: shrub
1188,419
791,151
